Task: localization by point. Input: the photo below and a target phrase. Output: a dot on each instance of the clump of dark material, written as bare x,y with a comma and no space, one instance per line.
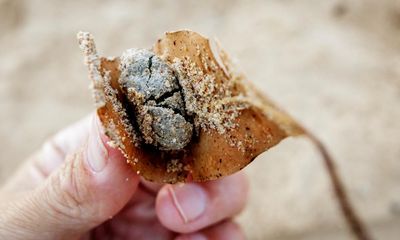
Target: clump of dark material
153,89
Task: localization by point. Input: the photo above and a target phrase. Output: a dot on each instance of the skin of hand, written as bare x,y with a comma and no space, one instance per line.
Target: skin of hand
78,187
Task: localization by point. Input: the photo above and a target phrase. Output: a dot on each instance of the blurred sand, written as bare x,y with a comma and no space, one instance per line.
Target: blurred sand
334,65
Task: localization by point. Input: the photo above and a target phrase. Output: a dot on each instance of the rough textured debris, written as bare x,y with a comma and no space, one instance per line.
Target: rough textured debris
147,74
153,89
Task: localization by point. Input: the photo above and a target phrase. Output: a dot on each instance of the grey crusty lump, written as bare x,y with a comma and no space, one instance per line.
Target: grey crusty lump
152,87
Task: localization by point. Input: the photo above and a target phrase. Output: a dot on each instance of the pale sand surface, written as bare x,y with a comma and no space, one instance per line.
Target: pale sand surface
334,65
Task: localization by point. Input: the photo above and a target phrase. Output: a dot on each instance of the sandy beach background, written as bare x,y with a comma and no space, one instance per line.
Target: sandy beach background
334,65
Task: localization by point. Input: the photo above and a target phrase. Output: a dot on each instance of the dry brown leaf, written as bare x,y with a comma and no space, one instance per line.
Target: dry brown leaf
234,122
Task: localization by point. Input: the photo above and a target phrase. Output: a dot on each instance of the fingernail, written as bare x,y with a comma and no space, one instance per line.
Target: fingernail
195,236
189,199
97,154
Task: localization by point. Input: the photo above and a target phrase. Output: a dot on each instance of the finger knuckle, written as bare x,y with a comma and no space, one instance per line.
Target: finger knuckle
69,196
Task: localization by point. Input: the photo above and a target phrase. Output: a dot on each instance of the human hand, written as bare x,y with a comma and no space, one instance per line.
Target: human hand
78,187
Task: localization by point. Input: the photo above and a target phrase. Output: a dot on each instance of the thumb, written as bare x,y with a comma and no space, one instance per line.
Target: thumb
89,188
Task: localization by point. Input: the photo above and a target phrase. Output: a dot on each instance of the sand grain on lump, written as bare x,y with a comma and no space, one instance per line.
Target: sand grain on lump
152,87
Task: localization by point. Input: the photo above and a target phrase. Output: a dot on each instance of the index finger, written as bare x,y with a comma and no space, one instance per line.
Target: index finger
50,156
67,141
